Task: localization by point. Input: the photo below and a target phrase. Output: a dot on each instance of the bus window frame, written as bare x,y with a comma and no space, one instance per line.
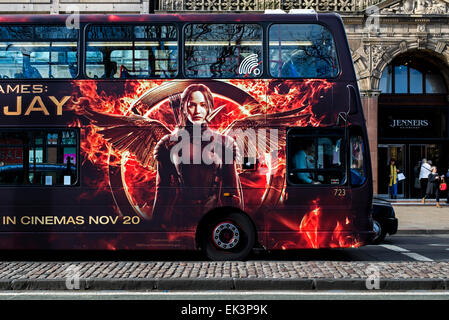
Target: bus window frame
85,41
316,133
58,129
263,74
78,50
267,43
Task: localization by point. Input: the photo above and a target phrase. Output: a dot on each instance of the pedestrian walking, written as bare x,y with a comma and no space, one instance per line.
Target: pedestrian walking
424,178
393,175
433,186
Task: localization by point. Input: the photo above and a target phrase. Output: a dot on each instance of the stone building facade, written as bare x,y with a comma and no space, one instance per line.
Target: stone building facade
393,42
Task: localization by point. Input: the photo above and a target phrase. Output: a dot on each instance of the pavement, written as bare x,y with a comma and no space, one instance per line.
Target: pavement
255,276
414,218
225,276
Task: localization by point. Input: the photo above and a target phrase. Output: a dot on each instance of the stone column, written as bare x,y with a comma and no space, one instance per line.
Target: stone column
370,108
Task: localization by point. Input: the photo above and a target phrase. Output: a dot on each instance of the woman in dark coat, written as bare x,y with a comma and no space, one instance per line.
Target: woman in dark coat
433,185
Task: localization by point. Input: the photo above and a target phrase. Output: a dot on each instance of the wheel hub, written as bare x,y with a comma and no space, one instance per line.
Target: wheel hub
226,235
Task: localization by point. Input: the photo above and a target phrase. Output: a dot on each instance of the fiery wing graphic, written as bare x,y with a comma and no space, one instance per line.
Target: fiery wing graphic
133,133
260,121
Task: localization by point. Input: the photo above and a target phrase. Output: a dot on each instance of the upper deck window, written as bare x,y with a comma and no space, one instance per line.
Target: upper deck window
223,50
129,51
302,51
38,52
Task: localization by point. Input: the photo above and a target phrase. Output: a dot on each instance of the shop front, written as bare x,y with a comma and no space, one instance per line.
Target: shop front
411,128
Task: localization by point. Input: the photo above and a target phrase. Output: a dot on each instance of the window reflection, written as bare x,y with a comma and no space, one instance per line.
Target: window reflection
386,82
132,52
302,51
435,83
223,50
400,79
416,81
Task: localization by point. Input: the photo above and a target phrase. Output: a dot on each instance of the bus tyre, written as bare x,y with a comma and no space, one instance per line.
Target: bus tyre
228,237
379,231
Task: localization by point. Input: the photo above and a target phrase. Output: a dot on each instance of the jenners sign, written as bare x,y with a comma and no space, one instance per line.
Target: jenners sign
409,124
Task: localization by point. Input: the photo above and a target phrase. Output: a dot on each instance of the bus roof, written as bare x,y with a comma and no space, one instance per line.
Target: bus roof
326,18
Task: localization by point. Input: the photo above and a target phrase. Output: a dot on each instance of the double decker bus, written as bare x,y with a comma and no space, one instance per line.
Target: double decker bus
213,132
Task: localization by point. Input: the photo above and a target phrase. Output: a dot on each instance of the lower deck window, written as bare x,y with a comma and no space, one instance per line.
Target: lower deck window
39,157
316,159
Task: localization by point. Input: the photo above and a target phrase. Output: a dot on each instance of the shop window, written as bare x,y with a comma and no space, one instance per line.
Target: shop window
315,160
38,157
386,81
400,79
435,83
232,50
405,79
416,81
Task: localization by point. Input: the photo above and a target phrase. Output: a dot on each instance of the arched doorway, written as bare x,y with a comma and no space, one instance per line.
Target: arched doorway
412,119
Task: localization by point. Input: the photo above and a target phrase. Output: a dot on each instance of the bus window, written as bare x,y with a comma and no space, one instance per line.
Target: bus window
315,160
223,50
42,157
38,52
302,51
358,175
12,146
149,51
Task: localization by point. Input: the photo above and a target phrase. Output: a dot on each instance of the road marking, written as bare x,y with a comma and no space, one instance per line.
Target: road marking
439,244
394,248
406,252
417,256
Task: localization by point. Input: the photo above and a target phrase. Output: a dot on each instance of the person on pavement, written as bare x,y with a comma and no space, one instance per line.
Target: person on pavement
393,175
433,186
423,178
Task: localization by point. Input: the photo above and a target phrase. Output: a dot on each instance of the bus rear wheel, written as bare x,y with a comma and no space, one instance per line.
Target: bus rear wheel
228,237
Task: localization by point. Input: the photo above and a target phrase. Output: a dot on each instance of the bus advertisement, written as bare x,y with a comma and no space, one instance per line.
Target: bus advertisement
182,132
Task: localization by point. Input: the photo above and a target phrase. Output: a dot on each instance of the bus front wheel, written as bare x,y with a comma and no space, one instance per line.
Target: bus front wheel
228,237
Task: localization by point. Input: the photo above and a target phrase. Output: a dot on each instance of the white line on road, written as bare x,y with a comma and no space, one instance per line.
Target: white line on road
406,252
417,256
394,248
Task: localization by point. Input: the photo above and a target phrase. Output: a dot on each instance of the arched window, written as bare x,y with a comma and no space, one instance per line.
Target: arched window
411,78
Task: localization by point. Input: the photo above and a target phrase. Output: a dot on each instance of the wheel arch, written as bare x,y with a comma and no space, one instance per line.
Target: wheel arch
216,212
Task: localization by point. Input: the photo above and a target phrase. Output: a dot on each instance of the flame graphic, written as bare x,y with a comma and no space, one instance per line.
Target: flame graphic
311,232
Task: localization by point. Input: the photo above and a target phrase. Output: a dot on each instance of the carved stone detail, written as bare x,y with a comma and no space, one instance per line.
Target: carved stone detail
437,7
260,5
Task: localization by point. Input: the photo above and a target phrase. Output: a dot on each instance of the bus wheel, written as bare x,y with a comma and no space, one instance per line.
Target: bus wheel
228,237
